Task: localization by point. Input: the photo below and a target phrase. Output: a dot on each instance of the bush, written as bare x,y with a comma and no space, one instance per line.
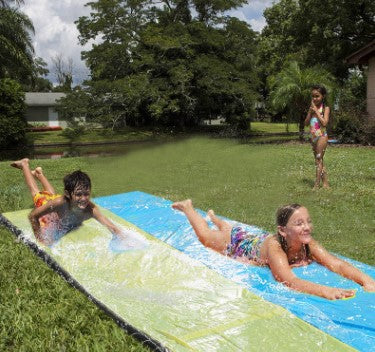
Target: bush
12,120
354,127
368,136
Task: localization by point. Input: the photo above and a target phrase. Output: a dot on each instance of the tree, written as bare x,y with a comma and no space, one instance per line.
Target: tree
315,33
12,121
291,90
173,64
16,50
64,73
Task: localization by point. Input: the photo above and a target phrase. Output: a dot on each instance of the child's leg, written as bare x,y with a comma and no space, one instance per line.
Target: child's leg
221,224
321,148
38,173
23,165
215,239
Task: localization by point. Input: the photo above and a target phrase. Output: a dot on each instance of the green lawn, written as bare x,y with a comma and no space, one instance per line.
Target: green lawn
131,134
245,182
90,136
266,127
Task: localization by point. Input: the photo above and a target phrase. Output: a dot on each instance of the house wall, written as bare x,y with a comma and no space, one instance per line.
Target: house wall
45,115
371,87
37,114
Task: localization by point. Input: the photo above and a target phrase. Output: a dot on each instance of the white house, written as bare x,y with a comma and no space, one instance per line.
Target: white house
41,109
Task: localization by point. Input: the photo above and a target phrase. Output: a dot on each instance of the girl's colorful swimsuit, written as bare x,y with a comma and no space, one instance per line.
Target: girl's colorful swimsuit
246,241
316,130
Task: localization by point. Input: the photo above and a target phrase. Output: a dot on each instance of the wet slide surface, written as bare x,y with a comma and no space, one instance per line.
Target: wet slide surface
351,321
167,298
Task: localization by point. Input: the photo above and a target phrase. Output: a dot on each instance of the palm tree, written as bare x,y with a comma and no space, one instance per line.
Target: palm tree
6,3
16,49
291,89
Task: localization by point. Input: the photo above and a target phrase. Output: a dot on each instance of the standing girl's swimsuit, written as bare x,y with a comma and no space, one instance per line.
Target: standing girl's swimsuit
316,130
245,241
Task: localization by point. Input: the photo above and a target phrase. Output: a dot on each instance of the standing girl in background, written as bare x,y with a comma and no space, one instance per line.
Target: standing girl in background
317,118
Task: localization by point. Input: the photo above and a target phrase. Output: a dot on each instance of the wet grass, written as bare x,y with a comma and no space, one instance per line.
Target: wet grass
245,182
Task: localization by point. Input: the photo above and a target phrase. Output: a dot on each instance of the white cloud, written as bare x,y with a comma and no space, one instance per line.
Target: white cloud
252,13
56,33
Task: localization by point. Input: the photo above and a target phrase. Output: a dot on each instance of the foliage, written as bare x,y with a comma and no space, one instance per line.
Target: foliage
174,64
352,127
16,50
12,121
291,90
347,127
352,93
315,33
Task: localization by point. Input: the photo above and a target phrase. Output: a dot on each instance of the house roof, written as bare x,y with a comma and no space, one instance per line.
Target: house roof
362,55
42,99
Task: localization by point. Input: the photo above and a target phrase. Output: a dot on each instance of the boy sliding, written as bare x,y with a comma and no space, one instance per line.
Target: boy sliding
56,214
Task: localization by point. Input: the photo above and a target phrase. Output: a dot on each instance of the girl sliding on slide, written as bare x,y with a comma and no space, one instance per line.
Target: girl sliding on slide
291,246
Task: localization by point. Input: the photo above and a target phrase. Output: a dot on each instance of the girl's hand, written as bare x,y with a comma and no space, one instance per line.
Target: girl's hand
369,286
337,293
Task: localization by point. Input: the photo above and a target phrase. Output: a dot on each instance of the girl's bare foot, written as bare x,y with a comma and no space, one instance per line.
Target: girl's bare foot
212,215
183,205
316,187
37,172
19,164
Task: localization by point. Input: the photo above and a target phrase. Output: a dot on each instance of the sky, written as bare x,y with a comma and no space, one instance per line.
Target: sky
57,35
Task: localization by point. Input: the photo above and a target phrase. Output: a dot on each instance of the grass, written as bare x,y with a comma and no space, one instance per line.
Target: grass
123,135
245,182
132,134
266,127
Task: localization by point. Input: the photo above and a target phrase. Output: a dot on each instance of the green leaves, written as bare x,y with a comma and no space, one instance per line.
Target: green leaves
16,50
12,120
169,64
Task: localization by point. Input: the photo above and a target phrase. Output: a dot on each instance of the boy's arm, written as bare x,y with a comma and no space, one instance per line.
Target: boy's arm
96,213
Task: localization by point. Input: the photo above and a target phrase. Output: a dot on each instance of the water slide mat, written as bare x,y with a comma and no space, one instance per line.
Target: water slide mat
164,297
351,321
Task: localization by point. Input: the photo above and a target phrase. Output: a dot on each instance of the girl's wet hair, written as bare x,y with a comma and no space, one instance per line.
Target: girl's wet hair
321,89
77,179
283,215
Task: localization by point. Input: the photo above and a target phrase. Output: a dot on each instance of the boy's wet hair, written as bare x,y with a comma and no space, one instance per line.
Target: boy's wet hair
320,88
77,179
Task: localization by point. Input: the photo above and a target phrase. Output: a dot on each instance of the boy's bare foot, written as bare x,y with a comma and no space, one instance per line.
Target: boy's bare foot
326,186
37,172
18,164
316,187
183,205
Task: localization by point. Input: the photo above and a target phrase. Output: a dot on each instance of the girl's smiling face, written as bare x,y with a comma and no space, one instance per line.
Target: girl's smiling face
298,228
317,97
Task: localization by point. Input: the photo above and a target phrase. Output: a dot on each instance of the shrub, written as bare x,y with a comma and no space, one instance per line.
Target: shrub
354,127
12,120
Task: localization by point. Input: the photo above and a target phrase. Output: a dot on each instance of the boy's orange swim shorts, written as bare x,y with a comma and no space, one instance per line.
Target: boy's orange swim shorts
40,199
44,197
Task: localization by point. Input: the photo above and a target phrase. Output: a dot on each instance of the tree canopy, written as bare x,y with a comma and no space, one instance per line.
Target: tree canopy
315,33
174,61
